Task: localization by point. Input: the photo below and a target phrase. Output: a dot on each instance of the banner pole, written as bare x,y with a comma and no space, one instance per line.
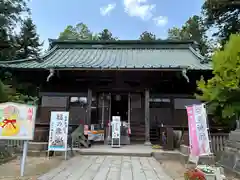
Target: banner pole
66,150
25,149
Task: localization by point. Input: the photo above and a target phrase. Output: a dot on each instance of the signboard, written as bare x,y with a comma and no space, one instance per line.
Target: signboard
96,133
58,132
116,131
198,132
202,129
17,121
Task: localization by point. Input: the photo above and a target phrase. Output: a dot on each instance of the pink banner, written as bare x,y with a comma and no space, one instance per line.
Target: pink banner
193,139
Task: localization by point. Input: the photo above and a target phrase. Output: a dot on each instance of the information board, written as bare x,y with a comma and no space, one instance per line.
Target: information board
17,121
58,132
116,131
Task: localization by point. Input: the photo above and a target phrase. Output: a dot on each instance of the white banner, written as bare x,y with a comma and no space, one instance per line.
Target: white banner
58,131
116,125
202,129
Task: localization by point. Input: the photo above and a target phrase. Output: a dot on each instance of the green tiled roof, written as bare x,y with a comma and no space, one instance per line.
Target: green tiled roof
115,55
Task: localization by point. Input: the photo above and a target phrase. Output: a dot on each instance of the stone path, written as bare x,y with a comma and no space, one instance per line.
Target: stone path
108,168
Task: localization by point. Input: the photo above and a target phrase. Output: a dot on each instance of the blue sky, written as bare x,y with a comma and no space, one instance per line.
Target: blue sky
126,19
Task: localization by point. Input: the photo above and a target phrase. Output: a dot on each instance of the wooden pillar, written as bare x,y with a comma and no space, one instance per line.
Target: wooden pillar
89,106
147,121
103,110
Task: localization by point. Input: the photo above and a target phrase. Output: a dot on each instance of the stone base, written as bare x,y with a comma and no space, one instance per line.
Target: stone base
37,146
230,159
184,153
124,140
234,136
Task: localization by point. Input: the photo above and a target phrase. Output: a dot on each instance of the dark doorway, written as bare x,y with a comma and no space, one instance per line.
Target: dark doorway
119,106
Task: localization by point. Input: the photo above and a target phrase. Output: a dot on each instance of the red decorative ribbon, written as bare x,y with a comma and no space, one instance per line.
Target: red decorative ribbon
7,121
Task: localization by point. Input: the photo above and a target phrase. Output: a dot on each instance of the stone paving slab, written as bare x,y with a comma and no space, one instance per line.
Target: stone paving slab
108,168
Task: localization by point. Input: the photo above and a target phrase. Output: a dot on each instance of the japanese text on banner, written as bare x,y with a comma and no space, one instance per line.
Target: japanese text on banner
202,130
58,131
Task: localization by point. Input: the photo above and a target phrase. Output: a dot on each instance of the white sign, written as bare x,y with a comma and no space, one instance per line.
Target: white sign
58,131
202,129
116,131
116,125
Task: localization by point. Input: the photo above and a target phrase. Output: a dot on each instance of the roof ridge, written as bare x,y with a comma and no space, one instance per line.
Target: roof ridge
31,59
57,41
197,54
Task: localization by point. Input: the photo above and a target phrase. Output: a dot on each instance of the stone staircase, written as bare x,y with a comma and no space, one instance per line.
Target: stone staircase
154,136
137,132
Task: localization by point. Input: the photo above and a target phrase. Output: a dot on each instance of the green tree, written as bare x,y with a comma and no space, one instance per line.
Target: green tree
147,36
78,32
10,16
176,33
106,35
193,29
225,15
28,42
222,91
3,94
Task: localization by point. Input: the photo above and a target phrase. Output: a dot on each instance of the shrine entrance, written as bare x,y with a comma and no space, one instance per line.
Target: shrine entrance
115,104
119,106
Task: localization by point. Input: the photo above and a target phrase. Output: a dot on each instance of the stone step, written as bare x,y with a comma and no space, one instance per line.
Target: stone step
37,146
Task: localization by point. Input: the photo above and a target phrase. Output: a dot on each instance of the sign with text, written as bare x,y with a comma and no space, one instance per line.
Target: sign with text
58,131
116,131
202,129
198,131
17,121
116,125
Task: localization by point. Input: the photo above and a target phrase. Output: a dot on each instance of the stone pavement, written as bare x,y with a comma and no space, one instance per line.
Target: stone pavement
107,168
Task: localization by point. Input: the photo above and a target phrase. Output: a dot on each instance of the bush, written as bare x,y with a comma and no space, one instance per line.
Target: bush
194,174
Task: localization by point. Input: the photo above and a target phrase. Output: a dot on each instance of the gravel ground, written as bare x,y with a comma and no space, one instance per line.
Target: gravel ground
34,167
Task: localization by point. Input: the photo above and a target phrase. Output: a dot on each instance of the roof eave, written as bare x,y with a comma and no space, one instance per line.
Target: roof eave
40,58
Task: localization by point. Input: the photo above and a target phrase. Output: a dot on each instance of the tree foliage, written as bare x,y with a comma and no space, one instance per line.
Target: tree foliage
222,92
28,42
78,32
193,29
10,16
82,32
106,35
147,36
223,14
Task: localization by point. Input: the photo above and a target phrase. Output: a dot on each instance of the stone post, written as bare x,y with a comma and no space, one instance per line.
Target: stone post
147,122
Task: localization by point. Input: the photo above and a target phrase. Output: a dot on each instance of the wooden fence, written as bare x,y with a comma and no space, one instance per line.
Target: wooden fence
217,141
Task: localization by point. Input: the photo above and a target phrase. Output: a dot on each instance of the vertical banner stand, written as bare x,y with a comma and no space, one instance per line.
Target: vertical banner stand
24,155
196,159
116,131
209,136
66,152
59,121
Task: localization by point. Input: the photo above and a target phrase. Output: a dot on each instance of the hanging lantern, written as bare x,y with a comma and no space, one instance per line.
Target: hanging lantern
118,97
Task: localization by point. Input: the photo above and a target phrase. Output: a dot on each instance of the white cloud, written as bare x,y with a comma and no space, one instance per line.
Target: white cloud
160,20
139,8
105,10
